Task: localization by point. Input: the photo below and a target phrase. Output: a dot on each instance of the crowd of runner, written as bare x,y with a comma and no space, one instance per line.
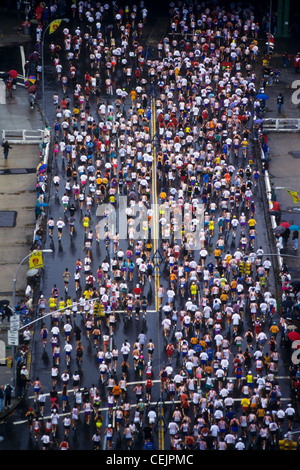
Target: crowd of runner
220,376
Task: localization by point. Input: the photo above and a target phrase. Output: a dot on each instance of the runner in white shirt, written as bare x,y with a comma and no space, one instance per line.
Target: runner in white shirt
60,225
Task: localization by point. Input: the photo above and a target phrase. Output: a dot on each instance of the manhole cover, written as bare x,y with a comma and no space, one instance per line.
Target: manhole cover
8,218
17,171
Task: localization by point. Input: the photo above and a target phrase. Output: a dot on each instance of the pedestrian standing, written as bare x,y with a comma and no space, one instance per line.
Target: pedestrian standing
295,240
9,88
285,59
6,148
1,397
296,63
280,102
7,396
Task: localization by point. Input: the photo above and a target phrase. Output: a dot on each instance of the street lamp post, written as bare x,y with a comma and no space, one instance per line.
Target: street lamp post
14,307
43,71
26,28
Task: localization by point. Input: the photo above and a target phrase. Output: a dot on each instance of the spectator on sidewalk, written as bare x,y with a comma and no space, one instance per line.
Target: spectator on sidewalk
295,240
2,396
285,58
7,396
296,63
280,101
6,148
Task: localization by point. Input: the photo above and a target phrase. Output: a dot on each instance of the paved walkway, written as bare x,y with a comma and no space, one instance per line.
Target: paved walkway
17,193
10,34
18,173
18,197
284,168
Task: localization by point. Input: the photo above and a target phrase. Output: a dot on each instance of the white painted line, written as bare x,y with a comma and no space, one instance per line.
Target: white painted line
2,93
23,60
133,405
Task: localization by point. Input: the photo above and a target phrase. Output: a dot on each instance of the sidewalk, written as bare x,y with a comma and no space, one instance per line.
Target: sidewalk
18,195
284,166
17,202
17,207
9,33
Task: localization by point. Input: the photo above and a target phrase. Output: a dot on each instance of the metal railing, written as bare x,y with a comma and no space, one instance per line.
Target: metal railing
281,124
22,136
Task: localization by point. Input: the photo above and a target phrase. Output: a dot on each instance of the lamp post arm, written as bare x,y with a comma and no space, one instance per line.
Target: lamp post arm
16,275
43,73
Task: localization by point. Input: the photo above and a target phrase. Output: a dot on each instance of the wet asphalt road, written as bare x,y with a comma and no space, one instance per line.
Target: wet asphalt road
14,432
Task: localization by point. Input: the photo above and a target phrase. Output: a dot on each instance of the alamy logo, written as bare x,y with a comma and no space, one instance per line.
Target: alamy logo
296,93
158,221
296,354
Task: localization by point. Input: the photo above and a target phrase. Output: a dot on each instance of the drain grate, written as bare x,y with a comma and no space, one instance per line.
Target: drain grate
8,218
17,171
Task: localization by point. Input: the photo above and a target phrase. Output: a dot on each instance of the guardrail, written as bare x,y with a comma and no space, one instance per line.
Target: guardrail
270,203
281,125
23,136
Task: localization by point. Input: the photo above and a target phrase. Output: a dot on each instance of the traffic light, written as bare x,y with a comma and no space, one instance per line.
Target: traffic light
287,444
241,267
96,309
101,310
247,268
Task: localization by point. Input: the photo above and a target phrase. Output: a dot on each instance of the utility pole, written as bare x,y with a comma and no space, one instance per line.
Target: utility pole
270,29
15,319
